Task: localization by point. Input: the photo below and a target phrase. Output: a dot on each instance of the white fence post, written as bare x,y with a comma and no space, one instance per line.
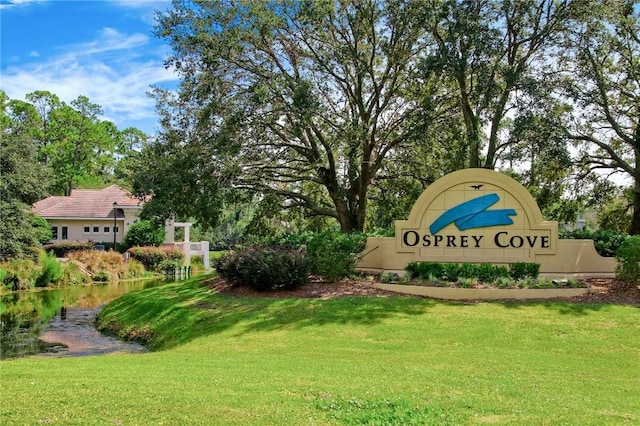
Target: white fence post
186,248
205,254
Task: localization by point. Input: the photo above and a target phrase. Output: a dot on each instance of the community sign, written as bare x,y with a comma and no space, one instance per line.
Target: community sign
479,215
476,215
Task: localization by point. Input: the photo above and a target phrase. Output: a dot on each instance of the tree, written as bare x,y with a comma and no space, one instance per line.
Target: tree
144,233
284,97
604,83
80,148
23,181
494,52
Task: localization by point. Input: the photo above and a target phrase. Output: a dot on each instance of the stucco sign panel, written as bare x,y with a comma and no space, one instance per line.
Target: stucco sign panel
476,215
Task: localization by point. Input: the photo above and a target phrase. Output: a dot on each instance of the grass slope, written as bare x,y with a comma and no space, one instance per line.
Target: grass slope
383,361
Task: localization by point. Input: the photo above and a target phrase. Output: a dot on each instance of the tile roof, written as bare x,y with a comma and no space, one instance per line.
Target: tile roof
87,203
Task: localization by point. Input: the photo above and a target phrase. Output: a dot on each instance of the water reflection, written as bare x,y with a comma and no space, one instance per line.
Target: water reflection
61,321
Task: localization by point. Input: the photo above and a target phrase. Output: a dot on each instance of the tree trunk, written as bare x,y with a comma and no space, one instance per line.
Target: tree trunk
635,218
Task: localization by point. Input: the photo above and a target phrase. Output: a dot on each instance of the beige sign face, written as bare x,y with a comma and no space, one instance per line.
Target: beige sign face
476,215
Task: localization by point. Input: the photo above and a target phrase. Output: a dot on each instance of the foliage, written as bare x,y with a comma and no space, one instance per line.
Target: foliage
605,241
168,265
23,181
62,249
75,144
75,274
602,70
616,215
520,270
42,229
21,274
51,271
265,267
334,255
181,177
81,268
151,257
389,277
346,86
106,265
628,260
144,233
484,272
488,63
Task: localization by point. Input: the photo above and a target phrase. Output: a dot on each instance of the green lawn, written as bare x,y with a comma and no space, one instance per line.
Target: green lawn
382,361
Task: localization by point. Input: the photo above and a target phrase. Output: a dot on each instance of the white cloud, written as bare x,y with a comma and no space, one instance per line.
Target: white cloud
34,54
6,4
113,71
110,40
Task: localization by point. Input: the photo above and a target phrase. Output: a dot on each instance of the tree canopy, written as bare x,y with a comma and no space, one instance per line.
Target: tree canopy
304,100
603,81
332,106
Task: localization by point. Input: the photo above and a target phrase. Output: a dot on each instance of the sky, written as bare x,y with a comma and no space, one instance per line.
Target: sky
102,49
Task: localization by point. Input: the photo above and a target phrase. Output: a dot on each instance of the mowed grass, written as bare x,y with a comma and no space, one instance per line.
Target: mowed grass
378,361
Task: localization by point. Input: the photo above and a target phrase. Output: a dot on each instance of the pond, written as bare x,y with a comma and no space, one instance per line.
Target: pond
60,322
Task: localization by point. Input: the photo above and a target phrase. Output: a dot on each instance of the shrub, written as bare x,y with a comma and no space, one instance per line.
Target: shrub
51,271
605,241
466,283
21,274
333,254
41,229
486,272
134,269
467,270
427,270
389,277
628,260
64,248
520,270
151,257
503,282
144,233
451,271
106,265
412,269
74,275
265,267
168,265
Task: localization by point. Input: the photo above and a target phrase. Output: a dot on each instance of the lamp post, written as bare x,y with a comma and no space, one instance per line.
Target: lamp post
115,215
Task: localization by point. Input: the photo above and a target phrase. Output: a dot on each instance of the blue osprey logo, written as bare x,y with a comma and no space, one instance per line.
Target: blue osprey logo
474,214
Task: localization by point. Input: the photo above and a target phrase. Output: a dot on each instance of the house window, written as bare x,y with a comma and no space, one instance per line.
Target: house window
65,233
54,232
116,230
96,229
106,230
86,230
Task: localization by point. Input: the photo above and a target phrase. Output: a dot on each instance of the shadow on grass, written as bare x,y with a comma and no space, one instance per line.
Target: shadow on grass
171,315
167,316
561,307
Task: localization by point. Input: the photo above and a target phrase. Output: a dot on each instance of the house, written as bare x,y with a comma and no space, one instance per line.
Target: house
99,215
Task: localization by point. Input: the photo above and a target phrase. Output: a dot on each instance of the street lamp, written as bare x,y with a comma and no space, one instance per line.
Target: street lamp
115,215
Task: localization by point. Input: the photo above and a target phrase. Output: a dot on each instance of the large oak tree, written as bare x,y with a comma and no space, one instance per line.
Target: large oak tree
604,84
302,99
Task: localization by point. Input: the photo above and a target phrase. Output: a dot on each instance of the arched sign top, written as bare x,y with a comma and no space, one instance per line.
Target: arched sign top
476,213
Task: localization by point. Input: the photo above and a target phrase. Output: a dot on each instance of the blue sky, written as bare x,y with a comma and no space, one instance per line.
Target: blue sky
102,49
